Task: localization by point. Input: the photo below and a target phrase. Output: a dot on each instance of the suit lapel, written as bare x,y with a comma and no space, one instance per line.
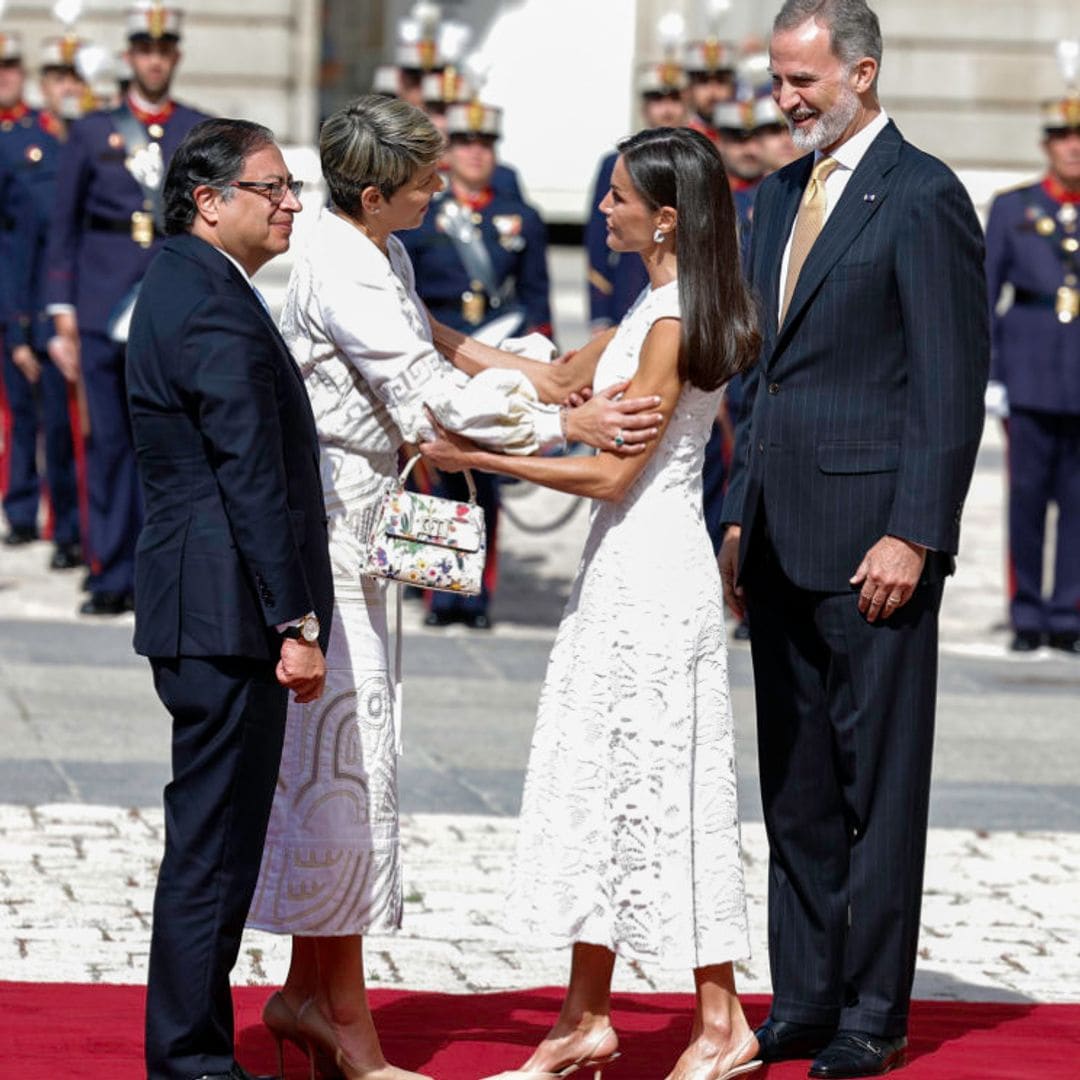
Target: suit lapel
863,195
217,263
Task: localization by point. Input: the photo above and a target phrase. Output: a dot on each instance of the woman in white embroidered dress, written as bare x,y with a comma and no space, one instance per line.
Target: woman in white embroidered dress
629,834
363,342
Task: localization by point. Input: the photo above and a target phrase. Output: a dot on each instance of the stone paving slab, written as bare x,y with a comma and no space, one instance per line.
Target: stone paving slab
1000,918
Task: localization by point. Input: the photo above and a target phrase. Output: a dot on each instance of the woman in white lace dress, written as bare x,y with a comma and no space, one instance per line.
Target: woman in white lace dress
363,342
629,836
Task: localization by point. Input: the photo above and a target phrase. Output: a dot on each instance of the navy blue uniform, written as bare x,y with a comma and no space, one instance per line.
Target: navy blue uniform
94,265
516,244
29,151
1036,355
505,181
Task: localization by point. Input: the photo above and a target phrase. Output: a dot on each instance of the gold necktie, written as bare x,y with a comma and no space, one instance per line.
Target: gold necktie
807,226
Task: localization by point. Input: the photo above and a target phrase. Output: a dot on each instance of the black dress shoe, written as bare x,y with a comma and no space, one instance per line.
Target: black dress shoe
1026,641
782,1040
19,535
1069,643
66,556
438,618
854,1053
107,603
742,631
479,621
235,1073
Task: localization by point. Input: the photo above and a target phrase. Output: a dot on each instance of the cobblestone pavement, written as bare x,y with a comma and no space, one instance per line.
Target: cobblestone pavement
1000,919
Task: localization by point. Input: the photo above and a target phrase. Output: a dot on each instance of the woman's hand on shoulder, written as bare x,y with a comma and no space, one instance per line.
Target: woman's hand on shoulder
623,427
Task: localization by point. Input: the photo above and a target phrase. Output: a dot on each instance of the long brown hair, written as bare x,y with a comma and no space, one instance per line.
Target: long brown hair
680,168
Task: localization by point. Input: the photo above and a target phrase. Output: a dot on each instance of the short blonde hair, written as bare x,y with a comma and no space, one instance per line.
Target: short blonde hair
375,141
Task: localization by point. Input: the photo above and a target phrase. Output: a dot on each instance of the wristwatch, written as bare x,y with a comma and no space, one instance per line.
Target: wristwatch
307,630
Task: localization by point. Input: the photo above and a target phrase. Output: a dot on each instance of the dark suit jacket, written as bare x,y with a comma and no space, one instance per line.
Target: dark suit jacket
865,410
234,540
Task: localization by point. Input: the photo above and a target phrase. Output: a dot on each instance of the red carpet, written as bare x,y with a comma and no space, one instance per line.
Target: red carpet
49,1031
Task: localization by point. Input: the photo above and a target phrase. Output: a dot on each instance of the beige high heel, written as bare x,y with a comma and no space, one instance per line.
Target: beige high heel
320,1038
281,1022
746,1066
705,1069
588,1060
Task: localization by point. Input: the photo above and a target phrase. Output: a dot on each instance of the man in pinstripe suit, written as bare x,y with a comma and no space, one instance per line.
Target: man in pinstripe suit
853,458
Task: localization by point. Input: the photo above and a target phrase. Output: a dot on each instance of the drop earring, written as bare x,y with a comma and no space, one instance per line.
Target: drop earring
658,236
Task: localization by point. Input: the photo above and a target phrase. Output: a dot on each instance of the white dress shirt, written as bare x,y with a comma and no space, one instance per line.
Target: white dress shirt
847,156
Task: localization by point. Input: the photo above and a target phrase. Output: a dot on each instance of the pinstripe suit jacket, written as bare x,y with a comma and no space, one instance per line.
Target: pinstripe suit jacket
865,410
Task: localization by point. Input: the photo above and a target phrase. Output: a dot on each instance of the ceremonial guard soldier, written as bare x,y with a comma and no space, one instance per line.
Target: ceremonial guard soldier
106,228
14,114
440,90
37,391
710,67
738,142
1033,244
615,280
481,267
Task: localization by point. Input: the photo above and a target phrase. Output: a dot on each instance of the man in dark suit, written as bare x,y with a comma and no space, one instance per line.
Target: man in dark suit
854,455
233,591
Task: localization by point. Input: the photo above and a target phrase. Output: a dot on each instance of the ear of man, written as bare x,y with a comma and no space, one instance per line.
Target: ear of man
207,201
864,75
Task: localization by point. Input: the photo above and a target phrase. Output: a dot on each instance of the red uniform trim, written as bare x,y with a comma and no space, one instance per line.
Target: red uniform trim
699,125
475,203
1059,192
51,125
144,117
15,113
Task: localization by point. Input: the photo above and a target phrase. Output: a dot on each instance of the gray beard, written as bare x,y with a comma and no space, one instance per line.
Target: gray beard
830,125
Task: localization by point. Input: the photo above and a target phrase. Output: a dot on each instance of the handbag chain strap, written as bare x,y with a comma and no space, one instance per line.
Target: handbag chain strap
416,457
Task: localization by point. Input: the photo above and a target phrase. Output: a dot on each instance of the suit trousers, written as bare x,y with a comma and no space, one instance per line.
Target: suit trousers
112,477
845,714
1044,467
228,729
40,408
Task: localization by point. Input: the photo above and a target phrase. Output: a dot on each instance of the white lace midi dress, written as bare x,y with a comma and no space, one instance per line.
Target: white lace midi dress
361,337
629,831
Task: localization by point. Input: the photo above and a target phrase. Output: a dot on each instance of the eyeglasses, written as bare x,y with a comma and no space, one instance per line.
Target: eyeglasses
274,190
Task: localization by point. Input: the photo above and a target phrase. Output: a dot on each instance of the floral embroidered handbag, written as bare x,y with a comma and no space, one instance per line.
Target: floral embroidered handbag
427,541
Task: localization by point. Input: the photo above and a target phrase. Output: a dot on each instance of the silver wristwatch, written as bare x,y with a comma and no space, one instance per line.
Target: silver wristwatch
307,630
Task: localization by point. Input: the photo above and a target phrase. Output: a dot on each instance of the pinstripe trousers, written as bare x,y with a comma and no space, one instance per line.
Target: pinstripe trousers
845,714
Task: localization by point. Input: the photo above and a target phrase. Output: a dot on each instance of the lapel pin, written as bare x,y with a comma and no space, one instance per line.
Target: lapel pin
869,197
